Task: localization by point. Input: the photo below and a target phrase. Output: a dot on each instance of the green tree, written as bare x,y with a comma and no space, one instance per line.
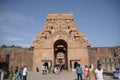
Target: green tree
3,46
12,46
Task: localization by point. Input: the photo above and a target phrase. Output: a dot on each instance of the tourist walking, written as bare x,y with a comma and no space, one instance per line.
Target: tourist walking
99,72
17,74
16,70
57,70
79,72
43,69
53,69
86,72
46,70
37,69
11,72
21,71
24,74
91,73
1,75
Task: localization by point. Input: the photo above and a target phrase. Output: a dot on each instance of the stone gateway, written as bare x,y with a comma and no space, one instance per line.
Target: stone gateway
60,43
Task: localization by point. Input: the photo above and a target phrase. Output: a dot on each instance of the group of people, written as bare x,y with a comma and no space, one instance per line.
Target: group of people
44,69
18,74
55,69
89,72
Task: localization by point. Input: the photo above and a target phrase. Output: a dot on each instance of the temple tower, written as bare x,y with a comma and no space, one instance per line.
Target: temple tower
60,43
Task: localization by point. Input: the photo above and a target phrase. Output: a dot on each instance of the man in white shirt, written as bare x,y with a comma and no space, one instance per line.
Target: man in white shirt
43,69
24,73
99,73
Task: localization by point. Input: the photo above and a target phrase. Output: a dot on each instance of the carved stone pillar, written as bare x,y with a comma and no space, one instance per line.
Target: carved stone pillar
113,64
108,66
103,64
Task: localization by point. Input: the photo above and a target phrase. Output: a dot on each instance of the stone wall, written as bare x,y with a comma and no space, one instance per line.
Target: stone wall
106,56
18,57
24,56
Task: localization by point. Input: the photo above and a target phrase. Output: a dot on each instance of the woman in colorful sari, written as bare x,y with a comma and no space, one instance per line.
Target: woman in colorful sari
91,73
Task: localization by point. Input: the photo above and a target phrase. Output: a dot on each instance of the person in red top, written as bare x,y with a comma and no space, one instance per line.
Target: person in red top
57,70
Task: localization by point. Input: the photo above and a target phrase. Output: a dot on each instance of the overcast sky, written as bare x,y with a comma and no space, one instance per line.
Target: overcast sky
21,20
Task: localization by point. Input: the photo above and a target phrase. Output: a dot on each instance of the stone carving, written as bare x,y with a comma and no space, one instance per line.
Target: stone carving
110,64
60,24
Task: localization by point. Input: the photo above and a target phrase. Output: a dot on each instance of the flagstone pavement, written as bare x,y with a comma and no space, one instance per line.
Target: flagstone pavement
64,75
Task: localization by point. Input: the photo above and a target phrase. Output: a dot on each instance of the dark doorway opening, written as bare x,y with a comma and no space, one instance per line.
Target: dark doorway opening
46,64
75,64
61,54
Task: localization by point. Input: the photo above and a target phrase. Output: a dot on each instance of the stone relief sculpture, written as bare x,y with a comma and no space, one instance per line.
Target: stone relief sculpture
108,64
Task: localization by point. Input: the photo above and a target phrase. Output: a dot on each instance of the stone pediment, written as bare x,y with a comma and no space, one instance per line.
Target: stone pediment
58,25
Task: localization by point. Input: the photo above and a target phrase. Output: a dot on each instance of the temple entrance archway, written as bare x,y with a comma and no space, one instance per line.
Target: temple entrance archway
60,43
61,54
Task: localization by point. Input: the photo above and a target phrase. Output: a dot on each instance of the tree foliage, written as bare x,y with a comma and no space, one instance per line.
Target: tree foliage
12,46
3,46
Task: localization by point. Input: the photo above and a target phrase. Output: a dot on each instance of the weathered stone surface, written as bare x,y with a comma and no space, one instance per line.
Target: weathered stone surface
18,56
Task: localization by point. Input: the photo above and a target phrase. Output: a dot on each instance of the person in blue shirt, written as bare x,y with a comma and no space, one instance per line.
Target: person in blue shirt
79,72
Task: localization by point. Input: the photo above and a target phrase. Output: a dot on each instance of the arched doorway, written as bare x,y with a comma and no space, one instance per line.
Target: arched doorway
60,54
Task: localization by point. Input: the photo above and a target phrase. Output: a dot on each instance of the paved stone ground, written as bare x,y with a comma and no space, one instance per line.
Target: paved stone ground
62,76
